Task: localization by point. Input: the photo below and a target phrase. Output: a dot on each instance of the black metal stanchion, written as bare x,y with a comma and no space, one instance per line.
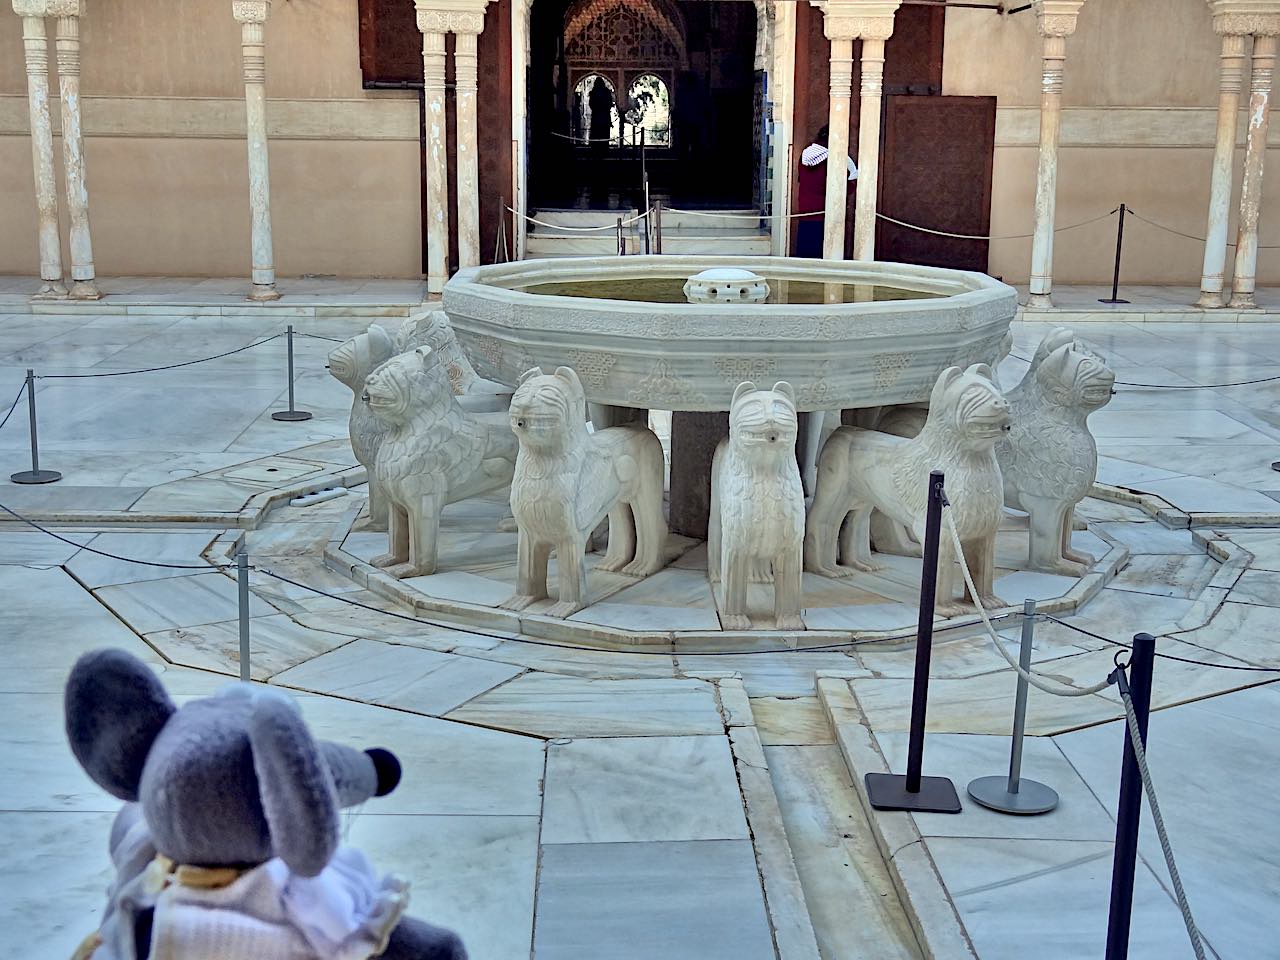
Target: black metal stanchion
1015,794
1129,808
242,583
891,791
291,414
35,474
622,244
1115,275
657,228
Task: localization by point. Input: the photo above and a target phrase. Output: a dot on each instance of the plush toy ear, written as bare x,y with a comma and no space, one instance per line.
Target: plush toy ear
531,372
294,784
115,709
785,389
742,389
945,379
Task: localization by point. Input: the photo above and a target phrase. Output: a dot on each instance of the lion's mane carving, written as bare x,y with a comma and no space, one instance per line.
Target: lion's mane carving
757,505
864,470
434,453
568,479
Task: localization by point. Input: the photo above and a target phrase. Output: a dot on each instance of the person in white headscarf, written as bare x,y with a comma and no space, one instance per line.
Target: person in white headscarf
812,195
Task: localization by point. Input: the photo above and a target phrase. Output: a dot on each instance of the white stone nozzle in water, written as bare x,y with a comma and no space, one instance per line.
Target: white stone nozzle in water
726,285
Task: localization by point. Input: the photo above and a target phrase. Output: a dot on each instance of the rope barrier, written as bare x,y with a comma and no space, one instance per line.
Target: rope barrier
170,366
13,406
973,236
561,226
1166,656
1140,754
316,336
1177,386
1161,226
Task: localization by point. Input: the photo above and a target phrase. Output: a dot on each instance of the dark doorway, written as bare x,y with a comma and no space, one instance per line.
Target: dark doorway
606,74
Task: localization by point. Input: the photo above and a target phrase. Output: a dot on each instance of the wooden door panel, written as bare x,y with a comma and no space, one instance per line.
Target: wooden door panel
935,171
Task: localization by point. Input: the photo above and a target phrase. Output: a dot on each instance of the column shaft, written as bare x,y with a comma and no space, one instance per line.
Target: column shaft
36,47
864,221
1047,172
433,63
1246,266
1215,246
67,43
468,187
838,149
253,44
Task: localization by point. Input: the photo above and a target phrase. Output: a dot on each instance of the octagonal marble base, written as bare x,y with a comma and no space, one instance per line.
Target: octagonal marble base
678,605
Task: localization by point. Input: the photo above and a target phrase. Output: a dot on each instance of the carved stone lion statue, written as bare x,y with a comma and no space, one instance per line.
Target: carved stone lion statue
434,453
568,479
351,363
757,505
864,470
1049,458
432,329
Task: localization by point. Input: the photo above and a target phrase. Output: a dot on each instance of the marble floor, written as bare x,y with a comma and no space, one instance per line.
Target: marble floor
562,802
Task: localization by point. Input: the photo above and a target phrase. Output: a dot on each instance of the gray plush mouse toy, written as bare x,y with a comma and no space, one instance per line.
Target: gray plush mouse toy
227,846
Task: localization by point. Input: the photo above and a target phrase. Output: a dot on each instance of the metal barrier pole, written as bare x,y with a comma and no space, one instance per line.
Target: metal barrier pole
657,228
622,244
291,414
242,582
889,791
35,474
1014,794
1129,807
1115,276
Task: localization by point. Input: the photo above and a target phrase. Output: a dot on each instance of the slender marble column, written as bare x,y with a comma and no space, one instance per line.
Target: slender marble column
1047,172
83,283
1231,79
35,44
1246,266
252,16
468,170
433,62
838,148
864,220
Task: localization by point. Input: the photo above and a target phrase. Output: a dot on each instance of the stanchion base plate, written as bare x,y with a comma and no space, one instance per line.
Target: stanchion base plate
291,415
888,791
1032,797
35,476
1275,465
1109,300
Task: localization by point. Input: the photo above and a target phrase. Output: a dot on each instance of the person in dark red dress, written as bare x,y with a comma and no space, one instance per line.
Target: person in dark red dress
812,198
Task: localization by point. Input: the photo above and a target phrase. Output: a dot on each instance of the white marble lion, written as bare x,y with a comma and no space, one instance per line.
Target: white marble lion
433,329
567,480
757,505
864,470
351,363
434,453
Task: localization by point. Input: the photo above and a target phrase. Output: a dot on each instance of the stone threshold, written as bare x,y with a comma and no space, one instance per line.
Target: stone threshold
505,624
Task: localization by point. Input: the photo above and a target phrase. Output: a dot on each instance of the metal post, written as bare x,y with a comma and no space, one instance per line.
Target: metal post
657,228
1115,275
291,414
1016,795
242,581
1129,808
888,791
35,474
622,244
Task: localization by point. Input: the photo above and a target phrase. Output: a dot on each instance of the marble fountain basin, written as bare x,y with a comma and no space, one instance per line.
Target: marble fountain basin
845,334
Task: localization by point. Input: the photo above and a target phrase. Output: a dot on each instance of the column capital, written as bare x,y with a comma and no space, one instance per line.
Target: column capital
251,11
451,16
1243,17
49,8
1056,18
857,19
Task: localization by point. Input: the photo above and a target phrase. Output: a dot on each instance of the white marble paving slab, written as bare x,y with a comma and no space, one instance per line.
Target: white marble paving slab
37,549
642,617
1152,537
788,673
1200,495
550,705
679,901
152,605
463,587
634,789
1175,575
276,643
1258,586
1032,585
180,548
865,616
422,681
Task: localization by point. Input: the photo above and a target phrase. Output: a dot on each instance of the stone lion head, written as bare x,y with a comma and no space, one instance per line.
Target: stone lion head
763,421
966,405
352,361
1073,376
548,409
404,384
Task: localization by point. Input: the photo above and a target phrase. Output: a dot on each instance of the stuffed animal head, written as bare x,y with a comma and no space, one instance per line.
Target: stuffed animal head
1074,376
967,406
397,389
549,411
230,780
763,423
351,362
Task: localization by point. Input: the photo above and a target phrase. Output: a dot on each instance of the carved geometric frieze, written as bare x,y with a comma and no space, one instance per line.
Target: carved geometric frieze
1244,17
49,8
1056,18
854,19
451,16
251,11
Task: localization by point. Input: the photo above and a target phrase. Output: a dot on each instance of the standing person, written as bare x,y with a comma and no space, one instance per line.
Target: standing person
600,101
813,194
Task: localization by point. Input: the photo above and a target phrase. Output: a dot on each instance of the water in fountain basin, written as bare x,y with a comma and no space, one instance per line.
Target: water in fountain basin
671,290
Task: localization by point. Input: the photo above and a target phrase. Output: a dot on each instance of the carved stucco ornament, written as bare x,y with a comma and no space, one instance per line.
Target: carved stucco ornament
1245,17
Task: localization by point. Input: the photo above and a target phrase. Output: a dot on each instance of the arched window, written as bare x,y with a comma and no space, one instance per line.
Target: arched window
595,109
649,109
